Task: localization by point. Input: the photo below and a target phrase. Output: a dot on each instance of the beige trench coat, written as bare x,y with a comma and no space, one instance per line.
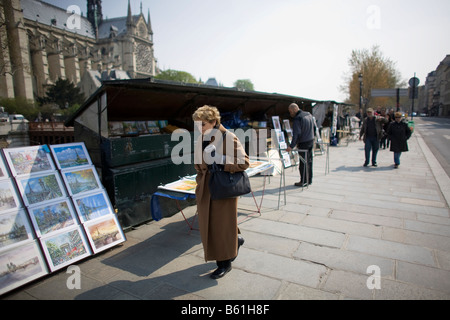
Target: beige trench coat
218,218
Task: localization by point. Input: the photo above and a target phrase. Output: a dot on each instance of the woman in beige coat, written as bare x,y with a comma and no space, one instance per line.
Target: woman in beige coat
217,218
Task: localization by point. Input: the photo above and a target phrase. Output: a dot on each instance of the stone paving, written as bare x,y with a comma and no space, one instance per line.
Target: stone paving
355,233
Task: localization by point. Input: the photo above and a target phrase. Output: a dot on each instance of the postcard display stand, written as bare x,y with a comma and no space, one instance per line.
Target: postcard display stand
288,159
54,212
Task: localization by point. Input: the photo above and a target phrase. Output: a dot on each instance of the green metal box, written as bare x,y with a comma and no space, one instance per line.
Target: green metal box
130,188
125,151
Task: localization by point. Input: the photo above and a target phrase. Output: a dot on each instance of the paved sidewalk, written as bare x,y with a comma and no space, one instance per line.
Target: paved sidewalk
327,242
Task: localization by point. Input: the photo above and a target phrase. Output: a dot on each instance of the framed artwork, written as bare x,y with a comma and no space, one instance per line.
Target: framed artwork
276,123
280,139
65,248
93,205
276,160
4,173
104,233
52,217
81,180
41,188
29,160
70,155
130,127
153,126
286,159
21,265
115,128
14,229
9,199
142,127
287,125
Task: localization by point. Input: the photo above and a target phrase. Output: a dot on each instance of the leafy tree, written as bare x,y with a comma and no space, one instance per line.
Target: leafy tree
20,105
178,76
64,94
378,72
244,84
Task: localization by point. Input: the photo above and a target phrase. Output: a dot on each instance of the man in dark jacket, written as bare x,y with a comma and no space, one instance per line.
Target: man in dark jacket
371,133
303,130
399,133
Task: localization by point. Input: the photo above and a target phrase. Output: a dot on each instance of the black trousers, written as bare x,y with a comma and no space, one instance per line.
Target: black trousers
306,176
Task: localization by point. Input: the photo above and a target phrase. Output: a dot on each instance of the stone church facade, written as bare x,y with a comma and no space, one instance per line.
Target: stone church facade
40,43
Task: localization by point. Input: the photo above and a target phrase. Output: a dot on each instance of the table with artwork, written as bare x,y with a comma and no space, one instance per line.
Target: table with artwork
184,189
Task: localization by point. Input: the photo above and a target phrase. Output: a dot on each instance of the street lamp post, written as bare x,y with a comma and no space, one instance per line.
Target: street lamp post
360,78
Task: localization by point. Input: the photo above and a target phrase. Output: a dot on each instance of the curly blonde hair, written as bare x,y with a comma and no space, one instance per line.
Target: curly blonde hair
207,113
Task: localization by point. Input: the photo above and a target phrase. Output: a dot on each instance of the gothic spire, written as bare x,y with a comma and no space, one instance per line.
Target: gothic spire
129,16
94,13
149,24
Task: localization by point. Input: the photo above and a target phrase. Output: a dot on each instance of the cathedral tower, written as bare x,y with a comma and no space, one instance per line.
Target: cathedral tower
94,13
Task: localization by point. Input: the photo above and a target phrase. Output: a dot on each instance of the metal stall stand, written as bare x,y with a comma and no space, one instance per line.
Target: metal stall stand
132,164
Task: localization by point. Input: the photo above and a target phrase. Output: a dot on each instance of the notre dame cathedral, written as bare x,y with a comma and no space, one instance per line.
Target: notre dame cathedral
40,43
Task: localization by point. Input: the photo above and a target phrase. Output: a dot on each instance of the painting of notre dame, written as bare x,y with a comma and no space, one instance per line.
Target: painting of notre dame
42,188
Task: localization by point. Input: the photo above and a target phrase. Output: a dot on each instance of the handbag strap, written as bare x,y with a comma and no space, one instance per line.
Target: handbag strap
214,167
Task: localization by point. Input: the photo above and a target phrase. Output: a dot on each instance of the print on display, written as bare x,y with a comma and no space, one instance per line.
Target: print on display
52,217
42,188
21,265
70,155
29,160
92,206
104,233
65,248
79,180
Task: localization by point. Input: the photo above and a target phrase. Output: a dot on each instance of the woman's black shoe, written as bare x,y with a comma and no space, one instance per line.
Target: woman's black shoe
240,243
223,268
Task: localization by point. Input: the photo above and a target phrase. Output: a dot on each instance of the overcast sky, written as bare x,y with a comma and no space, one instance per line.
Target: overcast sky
295,47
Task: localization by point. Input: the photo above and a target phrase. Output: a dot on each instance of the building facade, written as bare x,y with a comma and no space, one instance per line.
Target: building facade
41,43
437,88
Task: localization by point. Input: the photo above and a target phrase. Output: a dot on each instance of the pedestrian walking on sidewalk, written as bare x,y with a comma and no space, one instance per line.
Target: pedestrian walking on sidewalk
399,133
217,218
371,133
384,137
303,133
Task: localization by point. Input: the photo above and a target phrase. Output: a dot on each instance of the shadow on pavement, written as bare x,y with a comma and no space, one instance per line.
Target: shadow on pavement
149,259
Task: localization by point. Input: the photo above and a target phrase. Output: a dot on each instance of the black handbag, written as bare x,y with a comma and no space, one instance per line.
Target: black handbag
224,185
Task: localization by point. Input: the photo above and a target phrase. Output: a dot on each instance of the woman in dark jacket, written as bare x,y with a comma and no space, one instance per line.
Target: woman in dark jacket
398,133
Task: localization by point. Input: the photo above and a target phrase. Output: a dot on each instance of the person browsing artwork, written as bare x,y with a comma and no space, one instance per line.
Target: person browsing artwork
303,133
217,218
